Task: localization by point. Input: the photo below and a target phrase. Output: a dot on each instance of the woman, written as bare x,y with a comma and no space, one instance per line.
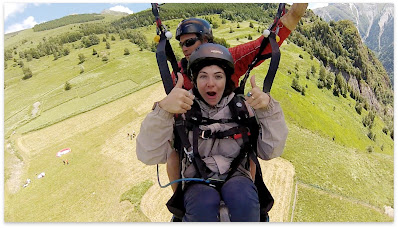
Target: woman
193,32
210,68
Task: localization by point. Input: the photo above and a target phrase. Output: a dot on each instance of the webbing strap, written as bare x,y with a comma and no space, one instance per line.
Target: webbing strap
275,56
164,53
200,166
273,66
161,58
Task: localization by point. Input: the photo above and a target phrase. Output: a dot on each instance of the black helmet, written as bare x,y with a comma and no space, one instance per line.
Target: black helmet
194,25
211,54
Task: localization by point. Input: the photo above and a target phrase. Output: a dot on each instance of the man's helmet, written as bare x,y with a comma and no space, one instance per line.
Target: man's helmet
196,26
211,54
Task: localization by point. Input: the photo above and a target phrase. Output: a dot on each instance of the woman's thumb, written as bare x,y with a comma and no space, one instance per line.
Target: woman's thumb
180,81
253,81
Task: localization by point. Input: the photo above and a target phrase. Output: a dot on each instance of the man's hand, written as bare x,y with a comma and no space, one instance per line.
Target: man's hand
293,16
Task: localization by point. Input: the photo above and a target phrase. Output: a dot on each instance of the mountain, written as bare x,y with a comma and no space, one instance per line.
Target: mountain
112,12
375,23
338,45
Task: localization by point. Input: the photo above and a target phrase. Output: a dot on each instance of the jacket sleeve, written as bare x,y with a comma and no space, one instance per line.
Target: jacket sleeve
155,137
244,54
273,132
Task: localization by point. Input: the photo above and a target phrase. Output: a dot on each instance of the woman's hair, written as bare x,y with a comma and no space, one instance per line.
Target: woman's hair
212,54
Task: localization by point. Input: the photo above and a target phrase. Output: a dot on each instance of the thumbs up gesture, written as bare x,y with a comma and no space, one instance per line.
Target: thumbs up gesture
179,100
256,98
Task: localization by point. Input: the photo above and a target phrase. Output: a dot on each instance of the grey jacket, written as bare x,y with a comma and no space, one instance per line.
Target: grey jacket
154,142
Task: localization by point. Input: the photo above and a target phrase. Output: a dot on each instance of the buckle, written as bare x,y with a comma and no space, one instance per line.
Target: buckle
205,134
189,154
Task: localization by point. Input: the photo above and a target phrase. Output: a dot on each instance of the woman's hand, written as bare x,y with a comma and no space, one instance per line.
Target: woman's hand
179,100
256,98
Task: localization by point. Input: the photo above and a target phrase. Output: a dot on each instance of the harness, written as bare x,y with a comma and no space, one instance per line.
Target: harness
247,129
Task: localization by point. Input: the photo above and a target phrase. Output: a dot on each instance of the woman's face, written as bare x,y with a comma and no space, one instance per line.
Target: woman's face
211,82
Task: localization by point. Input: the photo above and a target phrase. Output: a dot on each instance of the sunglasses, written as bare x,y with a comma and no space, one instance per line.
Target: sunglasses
189,42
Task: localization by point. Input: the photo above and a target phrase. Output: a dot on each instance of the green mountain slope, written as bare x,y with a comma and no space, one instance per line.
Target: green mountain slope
111,92
375,23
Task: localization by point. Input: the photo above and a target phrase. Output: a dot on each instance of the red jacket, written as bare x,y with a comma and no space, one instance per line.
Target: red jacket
243,55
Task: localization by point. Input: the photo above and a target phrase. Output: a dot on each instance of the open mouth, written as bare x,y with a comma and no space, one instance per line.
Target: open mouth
211,94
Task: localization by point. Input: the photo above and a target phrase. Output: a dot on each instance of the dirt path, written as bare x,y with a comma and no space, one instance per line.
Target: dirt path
278,176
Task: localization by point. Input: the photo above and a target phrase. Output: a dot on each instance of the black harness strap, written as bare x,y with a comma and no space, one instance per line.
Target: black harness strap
274,64
164,53
161,58
275,56
199,164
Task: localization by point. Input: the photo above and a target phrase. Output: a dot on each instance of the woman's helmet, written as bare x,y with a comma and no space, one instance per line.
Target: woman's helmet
212,54
196,26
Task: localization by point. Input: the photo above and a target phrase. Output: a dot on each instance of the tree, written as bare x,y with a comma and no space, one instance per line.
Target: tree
313,69
81,68
82,58
126,51
307,76
358,107
322,77
90,40
222,42
67,86
20,63
295,85
27,73
105,58
215,25
94,52
108,45
66,51
329,80
340,85
251,25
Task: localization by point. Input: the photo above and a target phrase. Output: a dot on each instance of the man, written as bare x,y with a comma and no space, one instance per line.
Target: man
194,31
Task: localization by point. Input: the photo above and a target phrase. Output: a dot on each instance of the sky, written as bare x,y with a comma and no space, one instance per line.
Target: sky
25,15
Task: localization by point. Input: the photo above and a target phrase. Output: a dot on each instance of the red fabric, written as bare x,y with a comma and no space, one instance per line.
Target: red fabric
243,55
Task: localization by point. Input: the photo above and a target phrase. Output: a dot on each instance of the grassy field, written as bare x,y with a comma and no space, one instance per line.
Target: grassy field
336,178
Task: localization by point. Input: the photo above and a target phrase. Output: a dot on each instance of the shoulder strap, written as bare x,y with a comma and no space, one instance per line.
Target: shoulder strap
164,52
275,55
249,150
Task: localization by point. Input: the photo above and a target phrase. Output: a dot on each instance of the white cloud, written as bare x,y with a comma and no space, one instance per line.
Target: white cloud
26,24
10,9
317,5
123,9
